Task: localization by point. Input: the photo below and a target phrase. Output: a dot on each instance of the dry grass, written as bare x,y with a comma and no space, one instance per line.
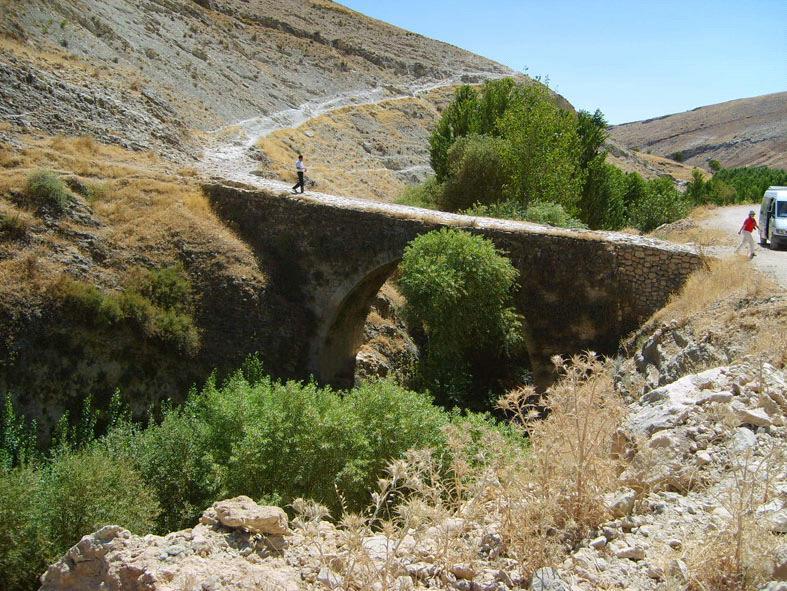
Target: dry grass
334,149
738,557
720,280
530,503
690,230
143,209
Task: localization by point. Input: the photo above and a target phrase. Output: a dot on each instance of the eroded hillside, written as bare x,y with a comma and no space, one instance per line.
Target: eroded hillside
160,73
744,132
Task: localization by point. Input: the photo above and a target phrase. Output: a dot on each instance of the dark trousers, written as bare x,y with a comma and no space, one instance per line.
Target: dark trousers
300,182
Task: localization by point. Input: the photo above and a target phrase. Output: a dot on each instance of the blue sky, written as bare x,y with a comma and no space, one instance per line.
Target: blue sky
631,59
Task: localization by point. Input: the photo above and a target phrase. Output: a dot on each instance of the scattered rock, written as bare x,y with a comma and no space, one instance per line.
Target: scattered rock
242,512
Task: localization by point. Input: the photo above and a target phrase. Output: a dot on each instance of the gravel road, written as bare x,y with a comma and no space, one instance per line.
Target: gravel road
730,219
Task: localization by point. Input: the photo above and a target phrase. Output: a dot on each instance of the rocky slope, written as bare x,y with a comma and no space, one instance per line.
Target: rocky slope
704,440
701,441
160,73
744,132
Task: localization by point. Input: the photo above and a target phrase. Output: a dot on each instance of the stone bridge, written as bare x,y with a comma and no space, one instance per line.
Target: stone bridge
328,256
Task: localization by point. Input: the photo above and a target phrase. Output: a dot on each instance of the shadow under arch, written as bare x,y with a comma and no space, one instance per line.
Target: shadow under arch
342,332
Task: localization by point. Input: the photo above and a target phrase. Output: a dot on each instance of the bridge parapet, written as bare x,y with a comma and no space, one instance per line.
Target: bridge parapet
328,257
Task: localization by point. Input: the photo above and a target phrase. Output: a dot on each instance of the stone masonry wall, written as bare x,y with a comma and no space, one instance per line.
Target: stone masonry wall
328,257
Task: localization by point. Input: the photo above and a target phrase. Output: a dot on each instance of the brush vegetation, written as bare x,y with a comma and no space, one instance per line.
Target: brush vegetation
507,147
251,435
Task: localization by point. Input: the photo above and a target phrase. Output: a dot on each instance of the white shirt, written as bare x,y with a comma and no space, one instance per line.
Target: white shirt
300,166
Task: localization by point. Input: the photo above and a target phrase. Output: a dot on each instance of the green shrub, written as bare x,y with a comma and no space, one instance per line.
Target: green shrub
81,492
159,303
23,551
751,182
552,214
539,212
696,187
660,204
542,150
423,195
44,511
678,156
720,193
459,293
477,173
17,438
455,122
13,225
279,441
47,190
174,458
714,165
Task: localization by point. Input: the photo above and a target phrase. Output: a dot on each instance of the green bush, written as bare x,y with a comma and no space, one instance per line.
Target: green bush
539,212
661,203
542,150
174,457
159,303
46,510
477,173
13,225
17,438
23,549
302,440
459,293
455,122
47,190
81,492
751,182
423,195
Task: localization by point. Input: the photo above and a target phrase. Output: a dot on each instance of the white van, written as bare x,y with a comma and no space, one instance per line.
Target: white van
773,217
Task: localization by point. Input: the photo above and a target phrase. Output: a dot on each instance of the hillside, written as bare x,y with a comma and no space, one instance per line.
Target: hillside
744,132
161,74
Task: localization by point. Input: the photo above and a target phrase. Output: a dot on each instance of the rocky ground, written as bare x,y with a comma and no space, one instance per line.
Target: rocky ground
703,443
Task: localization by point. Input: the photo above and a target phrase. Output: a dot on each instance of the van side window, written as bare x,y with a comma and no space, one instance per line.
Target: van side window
781,209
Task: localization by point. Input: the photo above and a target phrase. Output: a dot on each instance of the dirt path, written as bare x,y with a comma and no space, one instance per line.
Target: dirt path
227,154
729,219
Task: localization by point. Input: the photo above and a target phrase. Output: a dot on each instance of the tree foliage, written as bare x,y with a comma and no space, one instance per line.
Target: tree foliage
459,293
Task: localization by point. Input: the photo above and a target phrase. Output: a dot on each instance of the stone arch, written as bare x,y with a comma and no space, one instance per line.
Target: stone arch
340,333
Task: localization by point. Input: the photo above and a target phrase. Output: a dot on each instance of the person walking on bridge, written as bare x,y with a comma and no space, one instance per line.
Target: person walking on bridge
749,225
300,168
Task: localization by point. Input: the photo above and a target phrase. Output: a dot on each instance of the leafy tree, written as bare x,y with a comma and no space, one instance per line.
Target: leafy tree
538,212
635,189
455,122
696,189
459,293
714,165
660,204
477,173
542,150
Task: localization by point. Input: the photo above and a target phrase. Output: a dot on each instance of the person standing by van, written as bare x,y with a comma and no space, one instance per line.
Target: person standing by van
300,168
749,225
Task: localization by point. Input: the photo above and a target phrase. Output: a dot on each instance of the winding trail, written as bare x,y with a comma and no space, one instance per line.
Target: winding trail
729,219
228,155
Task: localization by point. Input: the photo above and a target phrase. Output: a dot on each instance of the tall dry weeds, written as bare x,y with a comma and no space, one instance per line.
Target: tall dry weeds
737,557
492,499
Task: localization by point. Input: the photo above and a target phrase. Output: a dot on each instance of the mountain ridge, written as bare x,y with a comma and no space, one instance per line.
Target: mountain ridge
748,131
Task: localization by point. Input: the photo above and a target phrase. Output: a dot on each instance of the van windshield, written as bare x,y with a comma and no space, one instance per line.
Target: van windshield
781,209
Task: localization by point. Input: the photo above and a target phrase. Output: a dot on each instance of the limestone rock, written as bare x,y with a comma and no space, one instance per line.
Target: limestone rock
243,512
620,503
547,579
